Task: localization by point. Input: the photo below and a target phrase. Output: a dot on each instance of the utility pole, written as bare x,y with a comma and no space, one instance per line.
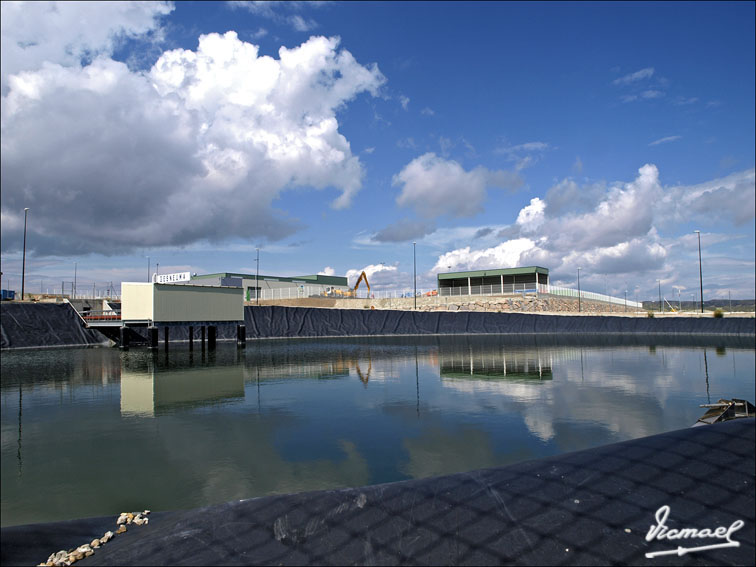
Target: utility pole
580,303
414,270
257,275
23,265
700,273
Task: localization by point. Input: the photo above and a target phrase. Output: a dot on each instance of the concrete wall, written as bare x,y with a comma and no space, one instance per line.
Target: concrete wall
518,303
136,301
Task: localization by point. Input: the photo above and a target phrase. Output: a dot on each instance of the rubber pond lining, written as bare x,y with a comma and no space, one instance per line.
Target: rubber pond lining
592,507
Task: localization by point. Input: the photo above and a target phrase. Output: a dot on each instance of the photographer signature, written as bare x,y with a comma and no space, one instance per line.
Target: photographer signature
661,531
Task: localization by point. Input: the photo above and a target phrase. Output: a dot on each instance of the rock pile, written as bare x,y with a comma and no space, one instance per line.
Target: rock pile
71,556
525,304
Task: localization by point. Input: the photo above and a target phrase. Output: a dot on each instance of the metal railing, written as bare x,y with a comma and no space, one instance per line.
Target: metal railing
493,289
448,292
589,295
101,315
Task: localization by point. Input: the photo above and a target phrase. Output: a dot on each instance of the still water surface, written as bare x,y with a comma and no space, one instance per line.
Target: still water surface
93,432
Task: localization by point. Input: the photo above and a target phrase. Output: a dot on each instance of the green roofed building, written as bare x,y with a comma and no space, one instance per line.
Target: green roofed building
275,287
489,282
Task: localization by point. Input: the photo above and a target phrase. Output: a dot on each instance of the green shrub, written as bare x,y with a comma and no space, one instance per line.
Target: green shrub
718,313
650,314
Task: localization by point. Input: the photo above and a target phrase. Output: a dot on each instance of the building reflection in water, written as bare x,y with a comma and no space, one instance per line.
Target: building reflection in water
155,389
492,361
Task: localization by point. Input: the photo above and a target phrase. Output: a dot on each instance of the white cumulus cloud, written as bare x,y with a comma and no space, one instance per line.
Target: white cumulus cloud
197,148
435,186
34,33
378,275
504,255
530,218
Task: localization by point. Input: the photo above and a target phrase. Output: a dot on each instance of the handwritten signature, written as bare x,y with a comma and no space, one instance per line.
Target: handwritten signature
661,531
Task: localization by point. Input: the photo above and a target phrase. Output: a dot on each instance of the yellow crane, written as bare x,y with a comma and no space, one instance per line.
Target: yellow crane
353,291
363,276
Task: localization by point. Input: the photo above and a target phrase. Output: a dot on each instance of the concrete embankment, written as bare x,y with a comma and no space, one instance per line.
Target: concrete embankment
592,507
28,325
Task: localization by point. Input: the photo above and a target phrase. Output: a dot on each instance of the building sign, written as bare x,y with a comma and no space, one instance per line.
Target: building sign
173,278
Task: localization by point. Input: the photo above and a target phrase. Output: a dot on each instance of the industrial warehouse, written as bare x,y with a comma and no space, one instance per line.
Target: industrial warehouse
266,286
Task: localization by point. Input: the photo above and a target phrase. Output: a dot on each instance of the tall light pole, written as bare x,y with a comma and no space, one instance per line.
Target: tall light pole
625,301
700,273
257,275
74,284
148,269
580,302
660,303
23,264
414,270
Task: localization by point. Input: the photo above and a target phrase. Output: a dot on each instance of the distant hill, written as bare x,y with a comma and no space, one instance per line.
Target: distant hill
741,305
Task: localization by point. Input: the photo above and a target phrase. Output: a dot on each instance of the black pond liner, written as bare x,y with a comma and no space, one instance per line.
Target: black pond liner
591,507
29,325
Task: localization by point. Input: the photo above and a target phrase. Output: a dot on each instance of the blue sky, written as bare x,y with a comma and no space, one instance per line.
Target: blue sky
334,135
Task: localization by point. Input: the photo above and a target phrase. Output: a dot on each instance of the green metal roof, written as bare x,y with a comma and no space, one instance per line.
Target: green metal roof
502,272
317,278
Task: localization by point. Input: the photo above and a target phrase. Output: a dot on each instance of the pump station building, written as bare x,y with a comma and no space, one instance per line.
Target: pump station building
486,282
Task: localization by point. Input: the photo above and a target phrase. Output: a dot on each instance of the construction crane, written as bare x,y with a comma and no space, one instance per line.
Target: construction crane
353,291
363,276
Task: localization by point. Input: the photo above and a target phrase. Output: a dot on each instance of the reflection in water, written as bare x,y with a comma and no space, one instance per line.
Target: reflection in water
20,413
291,415
147,393
706,367
493,361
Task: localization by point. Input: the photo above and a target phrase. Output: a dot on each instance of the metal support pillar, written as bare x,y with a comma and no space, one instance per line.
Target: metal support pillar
153,334
165,337
211,330
124,338
191,337
241,336
202,337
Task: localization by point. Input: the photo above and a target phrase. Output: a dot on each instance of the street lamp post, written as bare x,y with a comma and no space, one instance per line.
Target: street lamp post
73,291
625,301
660,300
257,275
700,273
414,270
148,269
23,264
580,302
